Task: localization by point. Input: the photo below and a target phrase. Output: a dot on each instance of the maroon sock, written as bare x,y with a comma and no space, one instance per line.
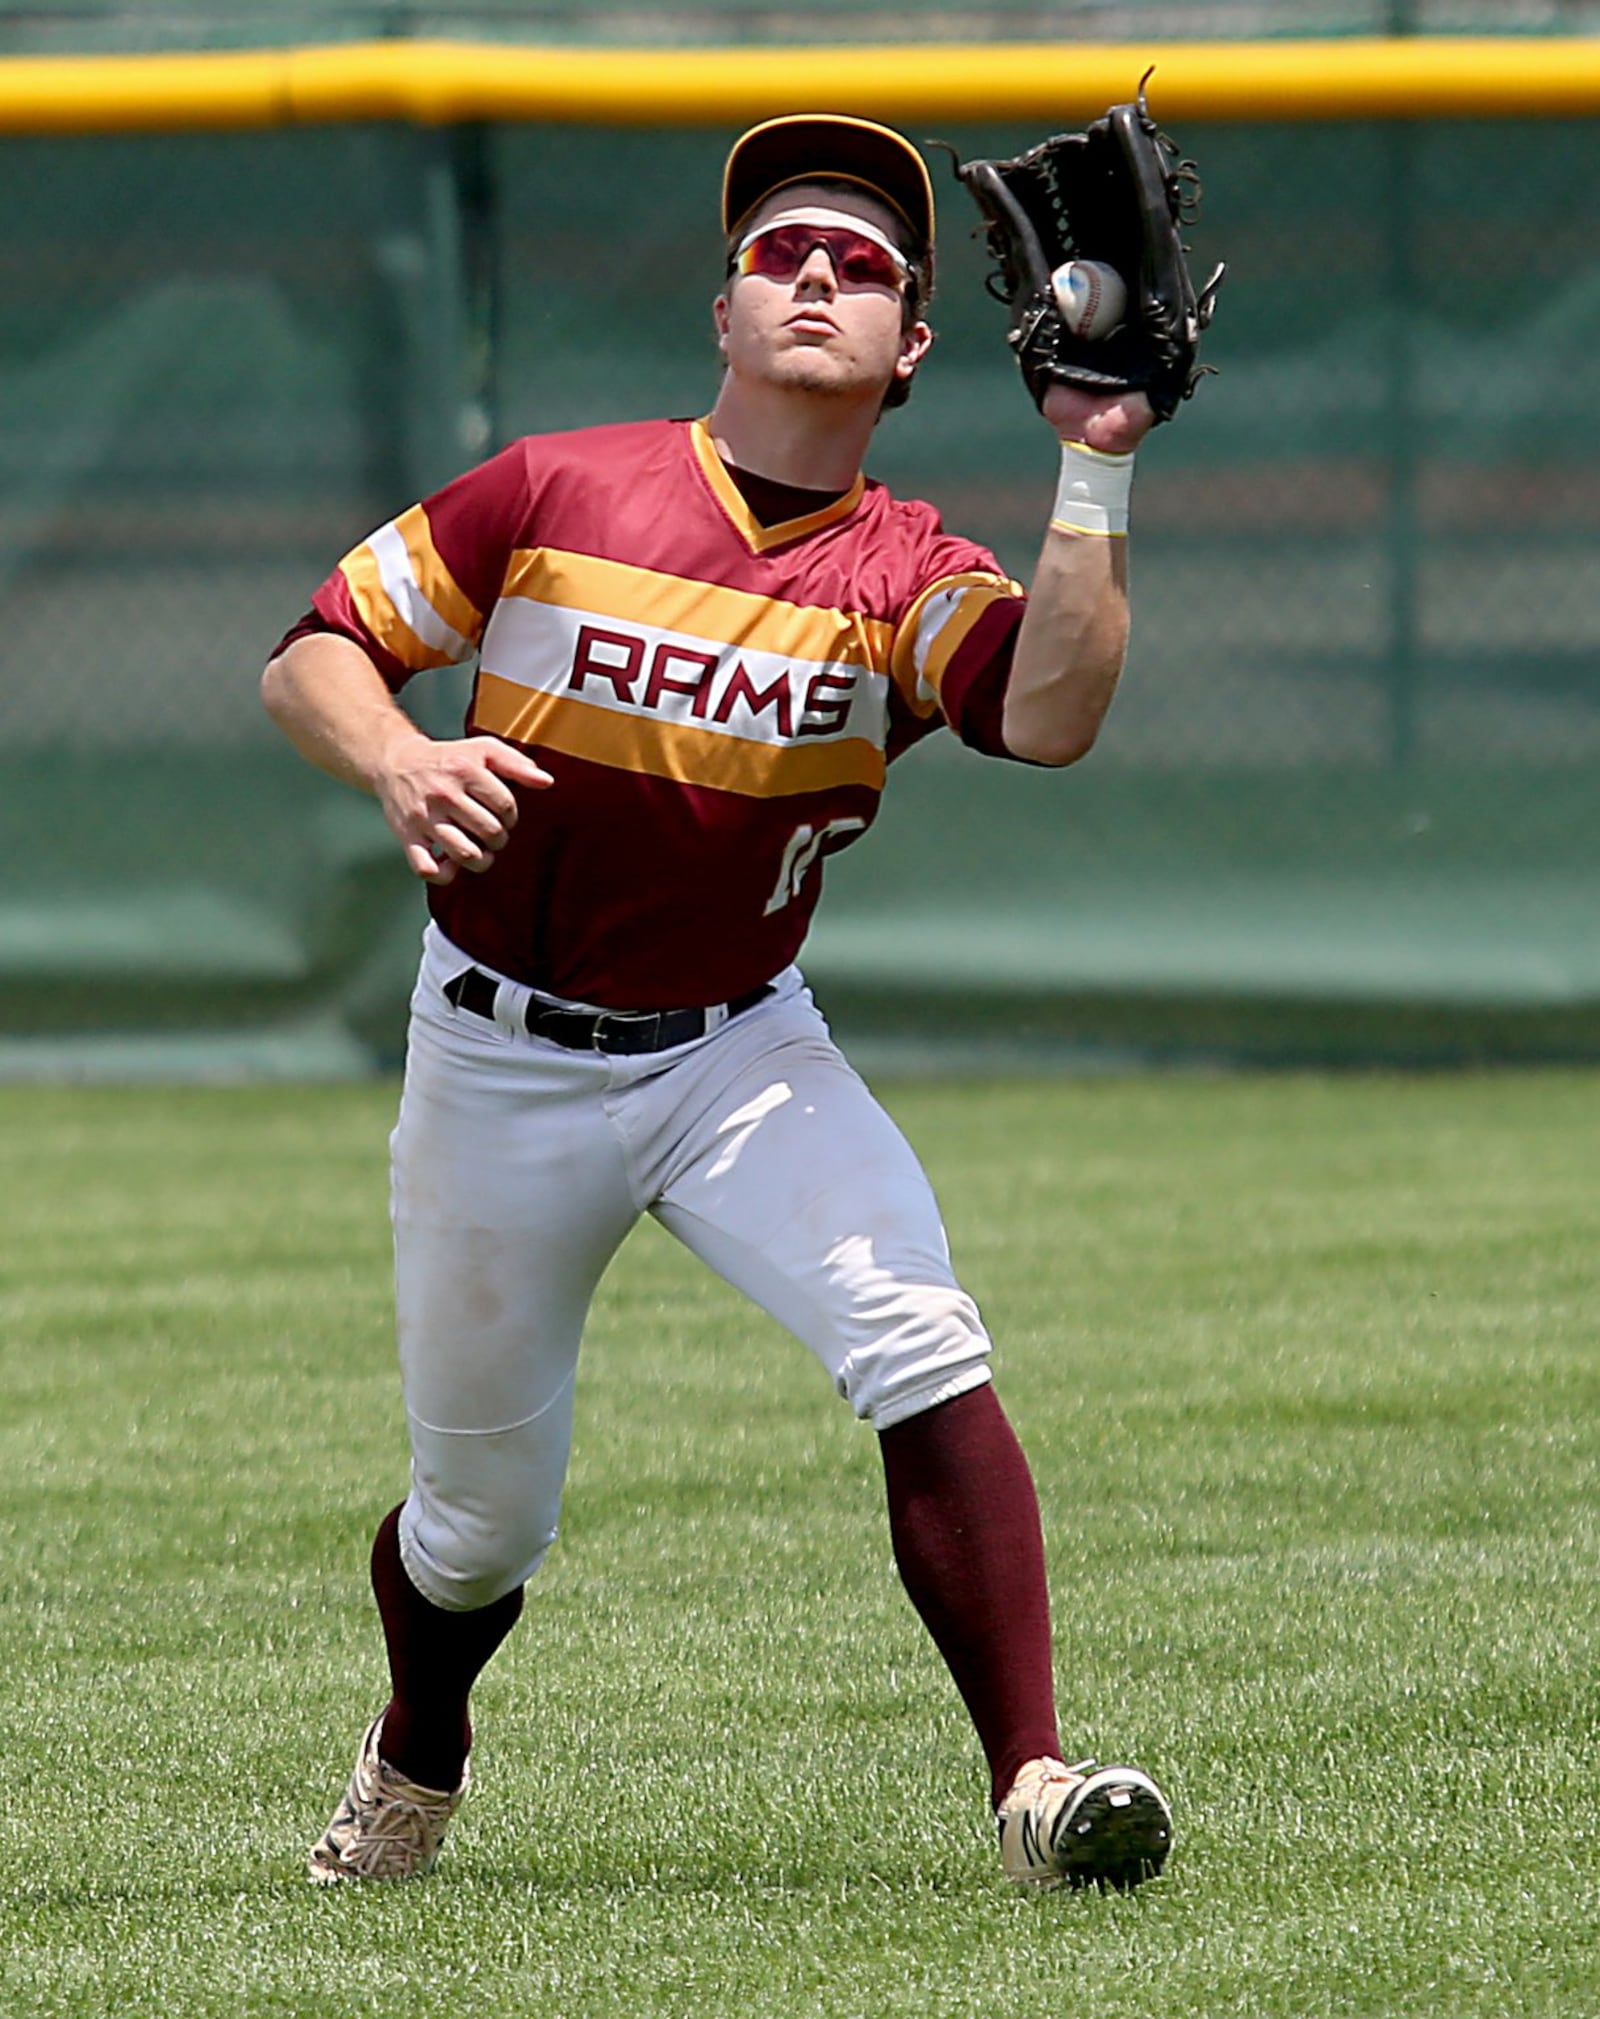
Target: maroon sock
434,1659
965,1523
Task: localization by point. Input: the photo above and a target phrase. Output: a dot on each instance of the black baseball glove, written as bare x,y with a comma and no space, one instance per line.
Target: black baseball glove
1118,194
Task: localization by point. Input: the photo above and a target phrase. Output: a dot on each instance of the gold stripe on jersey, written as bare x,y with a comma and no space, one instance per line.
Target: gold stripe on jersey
758,538
435,580
670,750
407,597
923,651
693,609
382,619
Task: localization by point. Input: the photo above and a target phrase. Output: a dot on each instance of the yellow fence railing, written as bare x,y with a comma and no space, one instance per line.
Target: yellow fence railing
439,83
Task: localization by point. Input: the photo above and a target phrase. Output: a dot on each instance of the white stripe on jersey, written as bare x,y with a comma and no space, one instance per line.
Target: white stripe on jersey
401,586
935,613
540,646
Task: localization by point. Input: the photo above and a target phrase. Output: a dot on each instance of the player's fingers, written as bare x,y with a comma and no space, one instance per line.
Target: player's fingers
515,765
422,861
453,844
486,810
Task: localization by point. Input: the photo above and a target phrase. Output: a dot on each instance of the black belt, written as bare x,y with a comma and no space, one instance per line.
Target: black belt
624,1031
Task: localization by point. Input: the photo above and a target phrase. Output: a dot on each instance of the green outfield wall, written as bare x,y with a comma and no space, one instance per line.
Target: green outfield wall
1347,804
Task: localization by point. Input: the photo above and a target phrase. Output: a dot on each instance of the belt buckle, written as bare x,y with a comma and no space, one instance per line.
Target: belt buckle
625,1024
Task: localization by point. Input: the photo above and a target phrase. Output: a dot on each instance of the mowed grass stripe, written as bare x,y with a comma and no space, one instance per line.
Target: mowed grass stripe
1307,1372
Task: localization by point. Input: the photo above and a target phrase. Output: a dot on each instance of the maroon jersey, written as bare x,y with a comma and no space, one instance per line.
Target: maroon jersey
716,700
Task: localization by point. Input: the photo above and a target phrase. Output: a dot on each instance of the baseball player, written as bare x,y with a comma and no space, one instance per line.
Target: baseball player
700,645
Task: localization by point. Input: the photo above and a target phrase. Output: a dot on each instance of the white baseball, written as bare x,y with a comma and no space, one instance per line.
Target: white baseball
1091,297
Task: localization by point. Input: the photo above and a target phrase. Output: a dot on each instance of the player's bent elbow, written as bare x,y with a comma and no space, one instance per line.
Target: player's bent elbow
1054,747
275,687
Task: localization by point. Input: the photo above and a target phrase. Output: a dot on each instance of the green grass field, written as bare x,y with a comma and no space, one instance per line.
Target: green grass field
1308,1373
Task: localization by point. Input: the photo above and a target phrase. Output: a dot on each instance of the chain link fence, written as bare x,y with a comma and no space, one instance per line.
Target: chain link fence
47,26
1345,804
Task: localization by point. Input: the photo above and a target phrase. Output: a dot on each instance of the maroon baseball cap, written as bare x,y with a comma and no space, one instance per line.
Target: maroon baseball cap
803,146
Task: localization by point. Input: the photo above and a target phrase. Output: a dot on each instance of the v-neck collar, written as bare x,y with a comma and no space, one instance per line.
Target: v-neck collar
758,538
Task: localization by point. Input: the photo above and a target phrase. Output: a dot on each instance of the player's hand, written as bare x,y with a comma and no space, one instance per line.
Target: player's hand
451,805
1113,423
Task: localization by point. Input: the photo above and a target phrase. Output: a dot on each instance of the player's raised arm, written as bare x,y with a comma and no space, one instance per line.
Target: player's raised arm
1074,635
1105,324
450,804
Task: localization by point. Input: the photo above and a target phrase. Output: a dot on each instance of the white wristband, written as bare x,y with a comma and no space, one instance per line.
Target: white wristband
1093,493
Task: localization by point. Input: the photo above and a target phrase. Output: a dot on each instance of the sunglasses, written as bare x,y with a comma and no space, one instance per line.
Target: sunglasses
780,251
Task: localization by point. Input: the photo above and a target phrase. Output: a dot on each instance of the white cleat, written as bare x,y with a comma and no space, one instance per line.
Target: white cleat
386,1827
1083,1826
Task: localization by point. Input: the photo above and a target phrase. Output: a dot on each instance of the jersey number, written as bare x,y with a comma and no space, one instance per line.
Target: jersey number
800,852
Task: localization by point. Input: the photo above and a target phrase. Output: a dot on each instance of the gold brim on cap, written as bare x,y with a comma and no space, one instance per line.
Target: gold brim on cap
802,146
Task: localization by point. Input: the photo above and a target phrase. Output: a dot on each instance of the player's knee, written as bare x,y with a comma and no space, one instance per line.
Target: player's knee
464,1559
929,1347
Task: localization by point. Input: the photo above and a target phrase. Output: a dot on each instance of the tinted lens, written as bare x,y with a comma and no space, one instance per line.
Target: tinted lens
859,262
863,264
